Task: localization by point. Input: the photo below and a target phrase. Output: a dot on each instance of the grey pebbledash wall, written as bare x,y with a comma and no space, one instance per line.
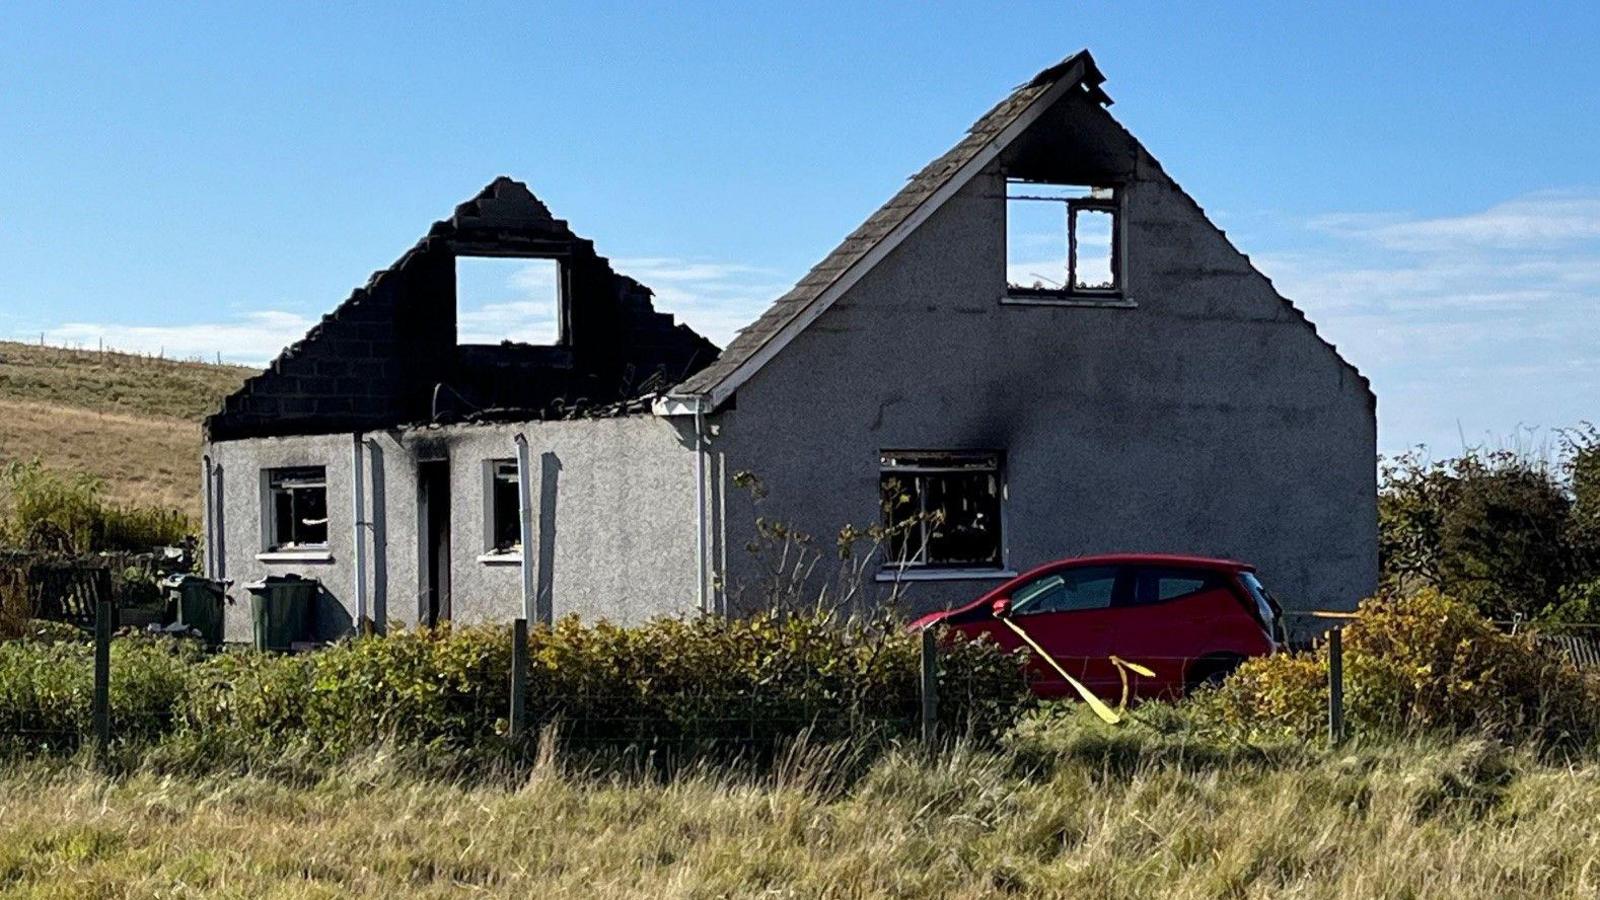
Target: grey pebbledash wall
1208,419
614,521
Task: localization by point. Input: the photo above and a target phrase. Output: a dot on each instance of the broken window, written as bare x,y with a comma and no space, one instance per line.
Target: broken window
1061,240
942,509
505,507
297,505
508,299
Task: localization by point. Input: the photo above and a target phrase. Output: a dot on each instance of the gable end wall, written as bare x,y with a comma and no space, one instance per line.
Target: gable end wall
1211,419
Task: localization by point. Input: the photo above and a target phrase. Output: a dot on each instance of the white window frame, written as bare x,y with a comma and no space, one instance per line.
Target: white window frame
273,547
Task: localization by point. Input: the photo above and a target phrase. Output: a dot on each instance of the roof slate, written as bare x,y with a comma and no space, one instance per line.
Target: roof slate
750,339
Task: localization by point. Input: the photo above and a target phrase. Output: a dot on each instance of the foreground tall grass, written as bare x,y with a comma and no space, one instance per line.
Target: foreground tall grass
1068,810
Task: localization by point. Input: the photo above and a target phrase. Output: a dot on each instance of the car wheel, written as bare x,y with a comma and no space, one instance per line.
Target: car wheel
1211,671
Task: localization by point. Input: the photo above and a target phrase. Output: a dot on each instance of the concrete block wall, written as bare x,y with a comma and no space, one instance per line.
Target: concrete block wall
375,361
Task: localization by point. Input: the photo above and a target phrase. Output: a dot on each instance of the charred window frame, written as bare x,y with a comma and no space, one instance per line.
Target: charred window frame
943,509
1064,244
502,508
296,508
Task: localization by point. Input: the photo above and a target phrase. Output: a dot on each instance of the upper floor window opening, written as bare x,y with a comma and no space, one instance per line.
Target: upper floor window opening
503,298
1062,241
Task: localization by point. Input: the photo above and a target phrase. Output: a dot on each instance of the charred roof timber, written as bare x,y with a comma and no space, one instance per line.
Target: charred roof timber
389,355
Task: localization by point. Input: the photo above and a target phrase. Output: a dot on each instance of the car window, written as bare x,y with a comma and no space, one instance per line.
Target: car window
1069,590
1170,587
1161,585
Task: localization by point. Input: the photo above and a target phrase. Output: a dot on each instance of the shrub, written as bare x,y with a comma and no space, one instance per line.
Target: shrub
1422,662
676,685
47,687
672,683
44,509
1507,532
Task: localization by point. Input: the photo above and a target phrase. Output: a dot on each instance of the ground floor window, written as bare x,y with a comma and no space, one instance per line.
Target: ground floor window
504,517
297,505
942,508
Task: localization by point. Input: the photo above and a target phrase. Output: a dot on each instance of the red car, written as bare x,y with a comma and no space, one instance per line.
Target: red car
1190,619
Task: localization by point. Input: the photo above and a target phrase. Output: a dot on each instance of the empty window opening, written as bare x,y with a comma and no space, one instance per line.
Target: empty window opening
942,509
505,507
1061,239
297,507
508,299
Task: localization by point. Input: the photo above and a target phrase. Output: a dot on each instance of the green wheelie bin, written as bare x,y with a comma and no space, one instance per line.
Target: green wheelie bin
280,608
197,602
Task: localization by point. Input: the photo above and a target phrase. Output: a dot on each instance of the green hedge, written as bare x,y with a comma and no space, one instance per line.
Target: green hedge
1417,663
709,682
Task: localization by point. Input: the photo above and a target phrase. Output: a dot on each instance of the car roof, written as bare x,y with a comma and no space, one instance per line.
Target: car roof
1157,559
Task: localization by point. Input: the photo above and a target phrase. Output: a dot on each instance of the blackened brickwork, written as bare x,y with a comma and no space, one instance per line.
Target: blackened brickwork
388,355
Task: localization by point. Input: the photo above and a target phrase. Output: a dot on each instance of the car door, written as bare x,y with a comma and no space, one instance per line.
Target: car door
1066,612
1165,622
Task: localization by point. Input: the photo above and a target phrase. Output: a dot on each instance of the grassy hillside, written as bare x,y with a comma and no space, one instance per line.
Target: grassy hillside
132,420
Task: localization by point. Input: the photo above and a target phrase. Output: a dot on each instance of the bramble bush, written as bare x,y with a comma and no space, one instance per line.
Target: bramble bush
1421,662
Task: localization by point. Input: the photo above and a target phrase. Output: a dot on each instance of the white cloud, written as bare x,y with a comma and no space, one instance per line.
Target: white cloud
1470,326
506,299
1532,221
714,298
252,338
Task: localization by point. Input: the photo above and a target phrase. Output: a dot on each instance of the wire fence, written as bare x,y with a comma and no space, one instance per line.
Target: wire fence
935,703
65,706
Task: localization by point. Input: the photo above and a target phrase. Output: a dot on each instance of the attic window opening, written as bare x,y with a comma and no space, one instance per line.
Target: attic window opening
1062,241
509,299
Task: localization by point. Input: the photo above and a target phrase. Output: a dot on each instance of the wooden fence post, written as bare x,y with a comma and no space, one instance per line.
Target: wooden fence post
519,677
1335,686
930,687
101,708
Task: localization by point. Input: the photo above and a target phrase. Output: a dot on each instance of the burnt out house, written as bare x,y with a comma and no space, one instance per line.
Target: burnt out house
1039,347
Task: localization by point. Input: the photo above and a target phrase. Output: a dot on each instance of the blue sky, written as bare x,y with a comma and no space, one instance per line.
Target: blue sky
207,179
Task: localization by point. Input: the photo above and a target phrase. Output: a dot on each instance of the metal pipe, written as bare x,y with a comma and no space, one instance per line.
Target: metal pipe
358,502
525,514
700,505
211,521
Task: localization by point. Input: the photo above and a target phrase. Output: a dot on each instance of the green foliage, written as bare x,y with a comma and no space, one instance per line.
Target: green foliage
1579,604
678,685
44,509
1422,662
1503,531
47,686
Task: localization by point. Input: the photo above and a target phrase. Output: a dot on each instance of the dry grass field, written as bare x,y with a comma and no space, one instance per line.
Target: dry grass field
1464,820
131,420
